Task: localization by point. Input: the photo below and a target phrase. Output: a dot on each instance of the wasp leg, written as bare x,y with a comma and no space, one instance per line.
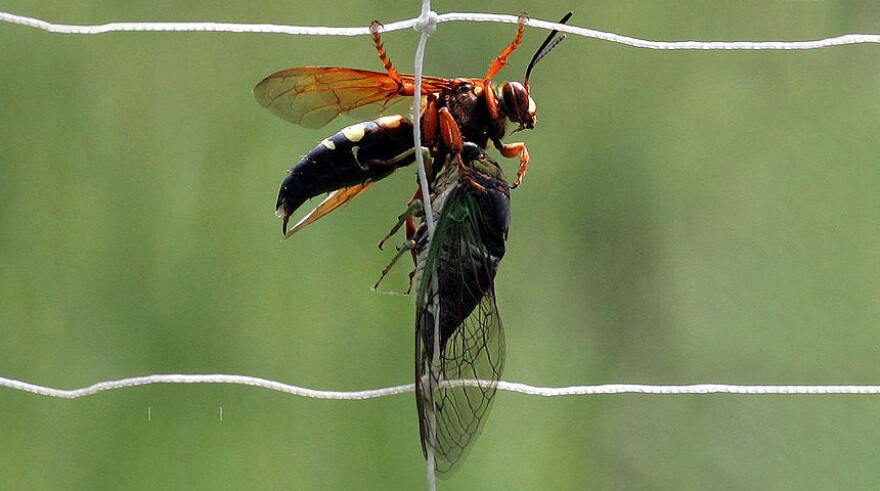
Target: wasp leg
515,149
501,59
403,88
430,123
499,63
451,135
393,161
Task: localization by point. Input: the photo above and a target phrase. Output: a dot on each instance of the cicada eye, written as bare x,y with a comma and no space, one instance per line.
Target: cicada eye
518,104
471,151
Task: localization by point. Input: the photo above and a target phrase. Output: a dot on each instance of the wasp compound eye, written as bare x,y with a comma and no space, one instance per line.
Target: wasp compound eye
518,105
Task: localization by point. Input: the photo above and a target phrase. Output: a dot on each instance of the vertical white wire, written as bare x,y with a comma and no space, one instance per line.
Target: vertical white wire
417,123
426,25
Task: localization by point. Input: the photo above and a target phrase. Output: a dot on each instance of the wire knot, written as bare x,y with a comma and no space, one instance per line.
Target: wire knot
427,22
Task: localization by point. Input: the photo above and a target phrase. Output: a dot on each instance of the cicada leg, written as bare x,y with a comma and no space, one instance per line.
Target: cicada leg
409,245
401,250
413,208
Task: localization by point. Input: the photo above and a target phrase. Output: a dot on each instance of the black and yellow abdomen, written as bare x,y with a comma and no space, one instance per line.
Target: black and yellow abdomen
360,153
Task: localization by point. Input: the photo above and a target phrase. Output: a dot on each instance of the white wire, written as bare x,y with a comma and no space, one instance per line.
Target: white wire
574,390
426,23
449,17
426,26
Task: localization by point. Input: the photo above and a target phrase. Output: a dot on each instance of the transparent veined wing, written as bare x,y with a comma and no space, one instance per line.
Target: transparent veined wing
456,296
314,96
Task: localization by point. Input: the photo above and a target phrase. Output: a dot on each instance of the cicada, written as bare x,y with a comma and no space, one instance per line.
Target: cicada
459,337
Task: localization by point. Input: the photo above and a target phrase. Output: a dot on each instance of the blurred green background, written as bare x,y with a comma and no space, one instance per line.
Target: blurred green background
689,217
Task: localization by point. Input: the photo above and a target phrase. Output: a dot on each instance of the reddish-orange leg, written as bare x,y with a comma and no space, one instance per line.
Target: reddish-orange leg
403,88
451,135
499,63
434,120
430,125
430,122
515,149
509,150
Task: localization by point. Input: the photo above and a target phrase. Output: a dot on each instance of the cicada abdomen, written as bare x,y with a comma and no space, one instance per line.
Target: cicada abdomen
457,372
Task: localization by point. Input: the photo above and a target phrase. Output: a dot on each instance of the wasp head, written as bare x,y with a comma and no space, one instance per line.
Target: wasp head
518,104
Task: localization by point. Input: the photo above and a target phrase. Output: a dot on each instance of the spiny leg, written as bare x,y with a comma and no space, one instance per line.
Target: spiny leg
403,88
413,208
451,135
401,250
515,149
500,61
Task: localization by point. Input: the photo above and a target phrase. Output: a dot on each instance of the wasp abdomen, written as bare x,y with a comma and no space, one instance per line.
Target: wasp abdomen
360,153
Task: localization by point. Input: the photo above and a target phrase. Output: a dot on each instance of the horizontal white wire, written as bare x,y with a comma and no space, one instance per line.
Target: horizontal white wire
449,17
576,390
606,389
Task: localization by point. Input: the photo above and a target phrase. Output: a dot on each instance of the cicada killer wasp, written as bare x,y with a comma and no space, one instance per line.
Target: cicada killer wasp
456,371
349,162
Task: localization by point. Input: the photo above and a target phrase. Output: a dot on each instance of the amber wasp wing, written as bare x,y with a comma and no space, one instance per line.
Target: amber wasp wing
314,96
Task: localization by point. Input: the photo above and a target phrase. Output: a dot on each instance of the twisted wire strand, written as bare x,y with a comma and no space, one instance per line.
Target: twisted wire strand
574,390
846,39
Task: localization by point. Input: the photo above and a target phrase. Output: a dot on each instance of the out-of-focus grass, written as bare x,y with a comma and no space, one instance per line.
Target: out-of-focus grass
688,217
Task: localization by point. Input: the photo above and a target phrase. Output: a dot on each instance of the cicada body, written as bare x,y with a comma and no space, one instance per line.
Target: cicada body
457,371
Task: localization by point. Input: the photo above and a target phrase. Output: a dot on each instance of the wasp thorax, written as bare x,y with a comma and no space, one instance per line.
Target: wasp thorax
518,104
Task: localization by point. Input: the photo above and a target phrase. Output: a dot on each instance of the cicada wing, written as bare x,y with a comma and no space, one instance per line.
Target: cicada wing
457,374
455,398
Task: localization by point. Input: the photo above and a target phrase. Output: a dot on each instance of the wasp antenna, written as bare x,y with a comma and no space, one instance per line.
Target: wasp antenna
551,42
541,54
